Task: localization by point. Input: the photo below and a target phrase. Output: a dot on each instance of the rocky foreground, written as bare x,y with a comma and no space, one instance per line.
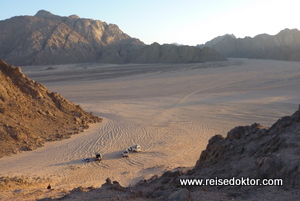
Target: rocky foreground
253,152
30,114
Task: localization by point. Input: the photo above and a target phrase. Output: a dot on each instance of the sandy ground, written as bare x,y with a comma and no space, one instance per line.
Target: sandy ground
171,110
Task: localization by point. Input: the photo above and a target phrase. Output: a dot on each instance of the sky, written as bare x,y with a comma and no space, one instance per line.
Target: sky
187,22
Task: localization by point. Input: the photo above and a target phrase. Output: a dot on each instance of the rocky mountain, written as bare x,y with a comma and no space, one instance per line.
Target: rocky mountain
283,46
218,39
252,152
50,39
46,38
169,53
30,115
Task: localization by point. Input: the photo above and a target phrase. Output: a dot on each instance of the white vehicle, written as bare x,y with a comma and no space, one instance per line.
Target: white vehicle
125,153
135,148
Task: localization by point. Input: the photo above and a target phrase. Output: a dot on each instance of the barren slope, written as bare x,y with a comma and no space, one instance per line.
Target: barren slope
30,114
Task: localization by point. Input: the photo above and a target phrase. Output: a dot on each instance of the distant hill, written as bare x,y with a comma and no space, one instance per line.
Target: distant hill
283,46
169,53
30,115
51,39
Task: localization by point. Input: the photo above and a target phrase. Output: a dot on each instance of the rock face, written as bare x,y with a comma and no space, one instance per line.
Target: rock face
283,46
51,39
30,115
255,152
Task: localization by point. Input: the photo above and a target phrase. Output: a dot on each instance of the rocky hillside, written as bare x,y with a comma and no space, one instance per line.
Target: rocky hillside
253,152
283,46
30,115
51,39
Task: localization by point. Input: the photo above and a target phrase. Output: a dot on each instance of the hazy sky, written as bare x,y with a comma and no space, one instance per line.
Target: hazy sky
188,22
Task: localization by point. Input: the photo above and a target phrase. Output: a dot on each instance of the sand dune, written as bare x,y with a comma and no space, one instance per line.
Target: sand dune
170,110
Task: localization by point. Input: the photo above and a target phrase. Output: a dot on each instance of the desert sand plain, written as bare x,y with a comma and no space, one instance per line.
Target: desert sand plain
171,110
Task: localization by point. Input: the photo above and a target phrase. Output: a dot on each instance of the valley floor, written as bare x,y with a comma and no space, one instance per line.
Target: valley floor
171,110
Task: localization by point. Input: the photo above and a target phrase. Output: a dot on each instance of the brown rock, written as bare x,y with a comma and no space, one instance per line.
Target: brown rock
26,122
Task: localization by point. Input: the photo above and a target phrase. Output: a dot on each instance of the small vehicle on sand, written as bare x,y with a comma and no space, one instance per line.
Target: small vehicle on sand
125,153
87,160
135,148
98,157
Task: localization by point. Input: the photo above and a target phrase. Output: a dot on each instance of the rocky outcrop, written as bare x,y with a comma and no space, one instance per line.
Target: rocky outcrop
51,39
255,152
283,46
30,115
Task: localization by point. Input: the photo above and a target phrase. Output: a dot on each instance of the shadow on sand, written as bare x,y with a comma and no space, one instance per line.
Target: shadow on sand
112,155
105,157
72,162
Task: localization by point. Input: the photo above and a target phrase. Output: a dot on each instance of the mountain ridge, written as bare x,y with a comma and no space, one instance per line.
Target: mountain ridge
46,38
284,45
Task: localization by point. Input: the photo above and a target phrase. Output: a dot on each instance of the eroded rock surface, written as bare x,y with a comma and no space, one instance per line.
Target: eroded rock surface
30,114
